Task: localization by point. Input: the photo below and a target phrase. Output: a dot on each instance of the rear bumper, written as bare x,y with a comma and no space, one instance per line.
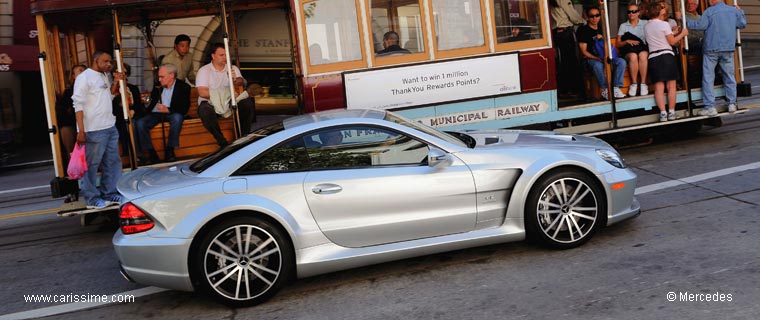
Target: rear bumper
160,262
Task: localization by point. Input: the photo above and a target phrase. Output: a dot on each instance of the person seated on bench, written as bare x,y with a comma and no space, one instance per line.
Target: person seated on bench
169,102
390,45
214,95
588,35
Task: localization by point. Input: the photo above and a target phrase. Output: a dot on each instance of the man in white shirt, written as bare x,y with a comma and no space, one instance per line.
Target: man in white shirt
93,93
213,87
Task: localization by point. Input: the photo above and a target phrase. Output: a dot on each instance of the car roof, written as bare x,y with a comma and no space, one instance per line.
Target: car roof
332,115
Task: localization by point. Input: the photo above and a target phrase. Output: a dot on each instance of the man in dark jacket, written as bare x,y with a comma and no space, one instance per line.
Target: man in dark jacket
169,102
390,44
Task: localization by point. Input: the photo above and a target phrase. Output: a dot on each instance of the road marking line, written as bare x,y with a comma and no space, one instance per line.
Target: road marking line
28,214
696,178
72,307
23,189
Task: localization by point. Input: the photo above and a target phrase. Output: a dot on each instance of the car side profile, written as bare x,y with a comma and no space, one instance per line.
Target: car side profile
335,190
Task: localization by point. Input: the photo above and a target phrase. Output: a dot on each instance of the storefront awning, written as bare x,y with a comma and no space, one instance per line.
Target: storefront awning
19,58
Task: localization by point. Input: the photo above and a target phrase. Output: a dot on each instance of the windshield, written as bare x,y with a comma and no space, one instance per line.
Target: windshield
424,128
238,144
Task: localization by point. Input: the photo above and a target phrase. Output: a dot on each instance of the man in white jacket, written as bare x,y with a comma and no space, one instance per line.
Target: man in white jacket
96,124
213,78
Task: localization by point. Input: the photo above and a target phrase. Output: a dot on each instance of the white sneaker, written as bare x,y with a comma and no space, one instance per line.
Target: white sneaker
643,89
732,107
618,93
632,90
663,116
710,112
605,96
672,115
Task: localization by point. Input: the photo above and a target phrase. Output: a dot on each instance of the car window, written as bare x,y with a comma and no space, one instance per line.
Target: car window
209,160
360,146
290,156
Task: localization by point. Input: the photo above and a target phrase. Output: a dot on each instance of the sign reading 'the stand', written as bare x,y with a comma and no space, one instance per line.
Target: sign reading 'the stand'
432,83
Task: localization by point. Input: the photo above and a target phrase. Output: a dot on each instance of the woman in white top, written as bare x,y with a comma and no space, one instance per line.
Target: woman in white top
633,47
663,66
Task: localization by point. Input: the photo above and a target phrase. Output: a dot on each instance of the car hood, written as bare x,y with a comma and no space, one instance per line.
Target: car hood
152,180
501,138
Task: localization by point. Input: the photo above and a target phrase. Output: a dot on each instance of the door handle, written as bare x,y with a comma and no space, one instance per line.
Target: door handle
326,188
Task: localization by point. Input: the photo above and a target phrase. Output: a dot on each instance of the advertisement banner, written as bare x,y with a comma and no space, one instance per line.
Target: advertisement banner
431,83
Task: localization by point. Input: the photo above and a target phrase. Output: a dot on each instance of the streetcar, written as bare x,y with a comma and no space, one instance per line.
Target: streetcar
460,65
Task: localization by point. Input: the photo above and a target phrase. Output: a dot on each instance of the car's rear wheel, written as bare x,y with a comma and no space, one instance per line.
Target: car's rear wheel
564,209
243,261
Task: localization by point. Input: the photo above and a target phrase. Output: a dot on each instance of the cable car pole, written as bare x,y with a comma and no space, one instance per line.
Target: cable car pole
52,130
123,91
608,48
233,101
742,89
686,65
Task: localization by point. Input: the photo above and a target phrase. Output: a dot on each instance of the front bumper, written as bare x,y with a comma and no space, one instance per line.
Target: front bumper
621,202
160,262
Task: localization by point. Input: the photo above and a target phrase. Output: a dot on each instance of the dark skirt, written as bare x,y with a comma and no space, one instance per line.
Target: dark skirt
663,68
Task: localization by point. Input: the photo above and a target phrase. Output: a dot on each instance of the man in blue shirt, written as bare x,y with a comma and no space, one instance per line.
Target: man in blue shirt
720,23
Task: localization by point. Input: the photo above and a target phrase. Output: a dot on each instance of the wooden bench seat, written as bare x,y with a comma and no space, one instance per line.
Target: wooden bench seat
194,140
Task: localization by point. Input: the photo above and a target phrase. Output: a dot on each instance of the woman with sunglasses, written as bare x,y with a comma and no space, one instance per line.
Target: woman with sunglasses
632,46
663,66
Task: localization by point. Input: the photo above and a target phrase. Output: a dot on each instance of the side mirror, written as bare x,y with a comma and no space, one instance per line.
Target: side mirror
437,157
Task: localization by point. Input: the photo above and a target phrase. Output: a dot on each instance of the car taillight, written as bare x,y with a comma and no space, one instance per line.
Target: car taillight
133,220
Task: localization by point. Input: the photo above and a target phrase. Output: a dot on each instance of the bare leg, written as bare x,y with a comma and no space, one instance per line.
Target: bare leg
671,95
633,67
659,95
643,65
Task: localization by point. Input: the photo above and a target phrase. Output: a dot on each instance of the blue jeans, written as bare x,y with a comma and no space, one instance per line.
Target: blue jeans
150,120
725,61
102,151
597,68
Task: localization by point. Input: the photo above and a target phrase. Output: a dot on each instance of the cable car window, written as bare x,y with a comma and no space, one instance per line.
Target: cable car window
458,24
517,20
332,30
396,27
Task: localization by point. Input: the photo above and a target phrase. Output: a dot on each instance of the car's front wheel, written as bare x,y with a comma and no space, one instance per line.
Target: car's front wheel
564,209
243,261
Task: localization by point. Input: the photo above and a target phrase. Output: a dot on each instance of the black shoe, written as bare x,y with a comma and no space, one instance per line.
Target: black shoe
143,160
169,155
153,156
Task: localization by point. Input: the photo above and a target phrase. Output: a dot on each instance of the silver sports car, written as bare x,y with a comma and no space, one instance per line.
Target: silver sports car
335,190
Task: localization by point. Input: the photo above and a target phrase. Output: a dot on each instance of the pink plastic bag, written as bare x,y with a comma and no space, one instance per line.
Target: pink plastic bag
78,163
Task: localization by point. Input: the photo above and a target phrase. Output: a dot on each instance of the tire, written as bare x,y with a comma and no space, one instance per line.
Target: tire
237,280
564,209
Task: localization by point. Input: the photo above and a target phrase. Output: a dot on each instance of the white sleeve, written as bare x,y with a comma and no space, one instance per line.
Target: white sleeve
79,96
202,78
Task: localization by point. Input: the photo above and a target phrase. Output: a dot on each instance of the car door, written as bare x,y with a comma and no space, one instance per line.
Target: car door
371,185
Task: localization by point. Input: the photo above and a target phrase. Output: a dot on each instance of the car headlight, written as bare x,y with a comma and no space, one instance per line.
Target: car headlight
611,157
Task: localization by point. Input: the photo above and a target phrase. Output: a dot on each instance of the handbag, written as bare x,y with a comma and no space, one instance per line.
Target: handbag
78,162
635,49
599,48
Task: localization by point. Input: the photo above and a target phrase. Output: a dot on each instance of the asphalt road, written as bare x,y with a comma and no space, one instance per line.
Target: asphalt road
696,240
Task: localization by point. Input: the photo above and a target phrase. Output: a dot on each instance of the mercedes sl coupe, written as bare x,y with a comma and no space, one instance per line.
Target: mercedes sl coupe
334,190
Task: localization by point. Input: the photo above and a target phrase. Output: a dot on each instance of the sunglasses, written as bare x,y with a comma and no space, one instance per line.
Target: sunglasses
595,15
633,11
